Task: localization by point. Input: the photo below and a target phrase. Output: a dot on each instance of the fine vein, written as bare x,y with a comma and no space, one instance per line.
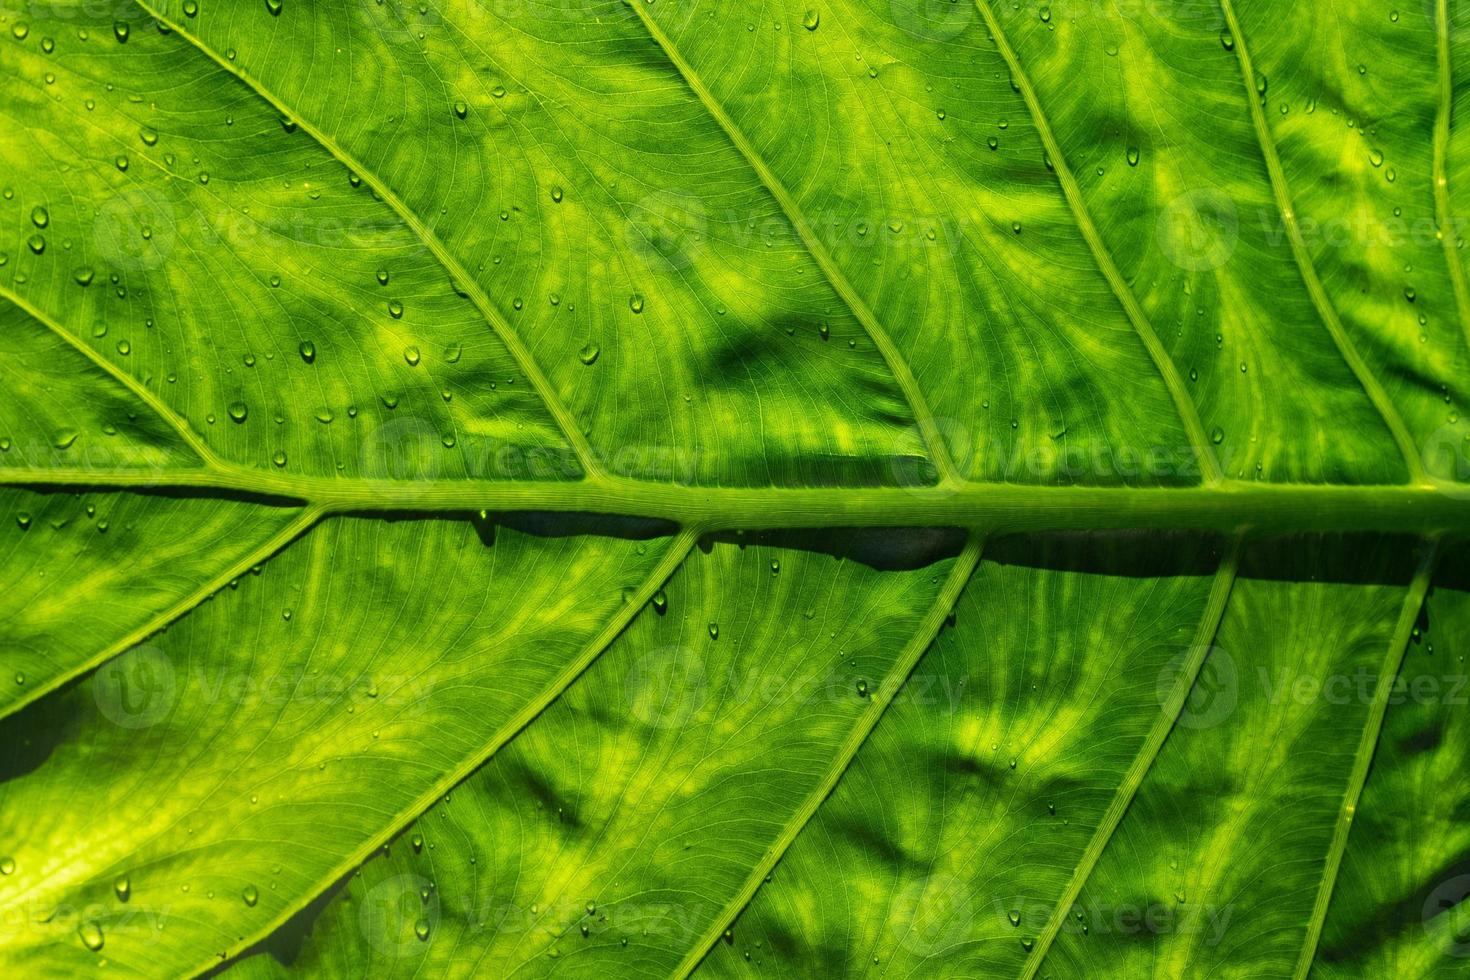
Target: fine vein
1387,677
1449,229
1303,258
501,327
923,636
1183,404
678,550
899,367
136,387
1204,638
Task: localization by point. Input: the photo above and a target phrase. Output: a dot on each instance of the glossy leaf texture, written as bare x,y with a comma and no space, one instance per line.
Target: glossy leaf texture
667,488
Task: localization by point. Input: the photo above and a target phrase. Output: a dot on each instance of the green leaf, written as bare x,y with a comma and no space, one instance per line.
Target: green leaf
652,488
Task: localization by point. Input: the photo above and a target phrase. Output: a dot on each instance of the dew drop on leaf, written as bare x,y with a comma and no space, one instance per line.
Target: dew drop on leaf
91,935
1132,156
122,887
251,895
812,20
660,602
412,356
40,217
589,354
308,351
421,929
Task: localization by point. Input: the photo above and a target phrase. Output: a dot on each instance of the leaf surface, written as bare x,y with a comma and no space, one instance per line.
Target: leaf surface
658,488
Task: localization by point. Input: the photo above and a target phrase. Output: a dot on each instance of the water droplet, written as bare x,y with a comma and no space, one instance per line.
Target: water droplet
395,309
417,840
660,602
775,566
122,887
7,864
64,438
23,520
120,30
714,631
121,161
382,277
308,351
556,194
40,217
20,31
279,458
83,276
274,6
1375,157
1014,916
411,355
1227,40
1132,156
91,935
589,354
812,20
37,244
461,109
1217,435
421,929
635,302
251,894
862,689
